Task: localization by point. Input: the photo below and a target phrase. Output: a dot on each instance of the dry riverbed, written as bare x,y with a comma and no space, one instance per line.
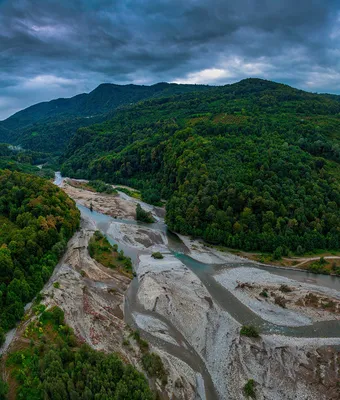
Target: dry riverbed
107,204
198,340
280,300
176,300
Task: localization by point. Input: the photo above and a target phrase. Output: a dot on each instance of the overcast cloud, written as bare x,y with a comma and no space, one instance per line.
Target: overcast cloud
51,49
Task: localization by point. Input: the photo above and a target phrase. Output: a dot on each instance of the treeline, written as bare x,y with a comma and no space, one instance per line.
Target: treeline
36,221
253,165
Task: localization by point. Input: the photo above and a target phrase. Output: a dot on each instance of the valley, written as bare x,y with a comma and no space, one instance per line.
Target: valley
191,312
169,200
195,300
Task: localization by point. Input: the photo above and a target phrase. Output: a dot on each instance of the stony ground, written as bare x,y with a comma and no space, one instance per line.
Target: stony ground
198,341
281,300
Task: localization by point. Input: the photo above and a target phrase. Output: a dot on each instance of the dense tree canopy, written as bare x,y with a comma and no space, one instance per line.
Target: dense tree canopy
56,367
48,126
253,165
17,159
36,221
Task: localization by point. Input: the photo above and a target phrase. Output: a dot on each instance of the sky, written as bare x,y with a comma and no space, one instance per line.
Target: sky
51,49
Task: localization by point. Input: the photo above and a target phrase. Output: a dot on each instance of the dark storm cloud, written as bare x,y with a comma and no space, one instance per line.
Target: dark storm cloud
59,48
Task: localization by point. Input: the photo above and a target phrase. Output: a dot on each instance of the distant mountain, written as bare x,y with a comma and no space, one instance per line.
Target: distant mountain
49,125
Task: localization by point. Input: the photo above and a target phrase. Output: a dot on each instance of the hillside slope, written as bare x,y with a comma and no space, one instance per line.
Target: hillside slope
48,126
252,165
36,221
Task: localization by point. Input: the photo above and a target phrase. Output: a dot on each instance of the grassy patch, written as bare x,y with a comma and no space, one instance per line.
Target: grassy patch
101,250
132,193
324,266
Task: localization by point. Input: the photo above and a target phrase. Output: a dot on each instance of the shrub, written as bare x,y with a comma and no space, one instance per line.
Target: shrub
101,187
322,261
54,315
157,255
277,253
250,331
56,285
143,344
264,293
143,216
249,389
153,365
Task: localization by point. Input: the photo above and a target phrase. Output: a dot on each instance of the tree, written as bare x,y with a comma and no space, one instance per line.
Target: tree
142,215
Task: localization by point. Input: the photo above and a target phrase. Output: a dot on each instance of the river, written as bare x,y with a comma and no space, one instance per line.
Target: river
224,298
221,295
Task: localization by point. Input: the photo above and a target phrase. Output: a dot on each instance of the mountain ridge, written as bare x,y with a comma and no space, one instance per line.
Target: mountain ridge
23,127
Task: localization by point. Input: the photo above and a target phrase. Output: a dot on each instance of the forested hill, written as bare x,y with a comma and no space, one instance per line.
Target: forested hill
36,221
48,126
253,165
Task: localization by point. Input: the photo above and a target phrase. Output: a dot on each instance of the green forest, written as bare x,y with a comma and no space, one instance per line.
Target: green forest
48,126
55,366
18,159
253,165
36,221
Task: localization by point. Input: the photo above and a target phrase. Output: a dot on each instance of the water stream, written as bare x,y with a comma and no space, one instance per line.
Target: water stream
221,295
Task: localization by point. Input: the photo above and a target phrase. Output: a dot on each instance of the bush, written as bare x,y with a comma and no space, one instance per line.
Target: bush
277,253
153,365
143,216
249,389
157,255
250,331
322,261
54,315
264,293
101,187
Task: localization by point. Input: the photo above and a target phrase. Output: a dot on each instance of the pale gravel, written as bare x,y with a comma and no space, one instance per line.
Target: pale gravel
177,369
208,255
140,238
300,316
154,326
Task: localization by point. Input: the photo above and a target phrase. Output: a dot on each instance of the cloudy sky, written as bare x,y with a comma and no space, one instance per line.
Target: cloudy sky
59,48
